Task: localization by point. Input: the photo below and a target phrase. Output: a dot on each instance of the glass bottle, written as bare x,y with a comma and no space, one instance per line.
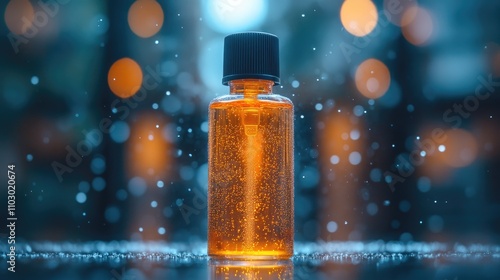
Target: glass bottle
250,150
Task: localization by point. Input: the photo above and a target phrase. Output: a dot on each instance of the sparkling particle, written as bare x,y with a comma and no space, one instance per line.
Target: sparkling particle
204,127
34,80
29,157
154,203
137,186
141,229
119,131
376,175
81,197
354,134
372,209
355,158
112,214
179,202
84,186
332,226
442,148
155,106
334,159
424,184
161,230
435,223
318,106
295,84
98,184
121,194
387,203
98,165
423,153
160,184
404,206
358,110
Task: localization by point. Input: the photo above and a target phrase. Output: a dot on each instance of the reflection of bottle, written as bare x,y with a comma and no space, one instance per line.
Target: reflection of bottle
282,269
250,155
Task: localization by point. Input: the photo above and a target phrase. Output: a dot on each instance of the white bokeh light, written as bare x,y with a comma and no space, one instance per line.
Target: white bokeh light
227,16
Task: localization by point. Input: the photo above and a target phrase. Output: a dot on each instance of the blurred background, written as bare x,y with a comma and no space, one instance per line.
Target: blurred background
104,113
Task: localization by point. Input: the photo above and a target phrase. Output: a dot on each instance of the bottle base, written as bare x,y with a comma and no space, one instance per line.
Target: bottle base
250,256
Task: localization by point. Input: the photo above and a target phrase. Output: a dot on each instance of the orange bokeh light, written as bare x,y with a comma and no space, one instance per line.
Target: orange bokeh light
145,18
372,78
359,17
125,77
461,148
148,153
395,9
417,25
19,16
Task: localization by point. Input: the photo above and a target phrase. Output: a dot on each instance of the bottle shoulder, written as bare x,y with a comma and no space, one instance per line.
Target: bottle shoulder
271,99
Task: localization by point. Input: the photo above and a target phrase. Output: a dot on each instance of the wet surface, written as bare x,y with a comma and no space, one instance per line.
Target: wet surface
123,260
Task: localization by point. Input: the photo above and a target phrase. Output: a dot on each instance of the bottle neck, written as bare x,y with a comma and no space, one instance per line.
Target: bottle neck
251,87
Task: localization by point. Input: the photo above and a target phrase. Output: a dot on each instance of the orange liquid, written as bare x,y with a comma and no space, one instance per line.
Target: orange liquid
276,269
250,195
